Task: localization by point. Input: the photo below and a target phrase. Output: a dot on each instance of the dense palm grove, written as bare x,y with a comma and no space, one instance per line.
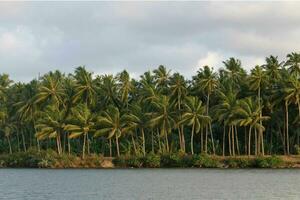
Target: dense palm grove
229,112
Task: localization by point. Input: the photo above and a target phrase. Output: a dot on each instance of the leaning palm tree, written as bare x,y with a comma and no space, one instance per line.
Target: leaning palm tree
112,124
195,116
81,123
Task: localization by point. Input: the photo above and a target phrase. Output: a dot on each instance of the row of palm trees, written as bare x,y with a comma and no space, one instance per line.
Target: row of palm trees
229,112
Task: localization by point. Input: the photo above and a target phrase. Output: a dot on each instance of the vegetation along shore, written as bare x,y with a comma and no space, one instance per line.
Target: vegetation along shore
224,118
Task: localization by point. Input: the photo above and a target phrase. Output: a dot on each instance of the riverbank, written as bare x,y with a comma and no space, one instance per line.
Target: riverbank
50,159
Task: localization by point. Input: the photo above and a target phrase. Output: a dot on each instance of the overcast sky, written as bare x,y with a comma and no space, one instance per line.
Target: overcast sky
107,37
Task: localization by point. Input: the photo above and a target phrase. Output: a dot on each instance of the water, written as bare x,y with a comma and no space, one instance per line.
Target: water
148,184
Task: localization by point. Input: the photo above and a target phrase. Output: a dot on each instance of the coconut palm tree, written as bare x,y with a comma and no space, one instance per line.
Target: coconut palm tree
125,86
81,124
51,125
248,113
195,116
113,124
178,88
163,117
293,63
85,89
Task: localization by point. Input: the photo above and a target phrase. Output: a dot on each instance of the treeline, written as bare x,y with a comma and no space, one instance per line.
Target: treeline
229,112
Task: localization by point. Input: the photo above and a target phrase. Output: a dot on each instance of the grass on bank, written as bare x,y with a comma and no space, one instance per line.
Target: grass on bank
50,159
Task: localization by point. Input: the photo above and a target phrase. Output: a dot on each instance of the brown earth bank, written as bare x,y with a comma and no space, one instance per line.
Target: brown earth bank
50,159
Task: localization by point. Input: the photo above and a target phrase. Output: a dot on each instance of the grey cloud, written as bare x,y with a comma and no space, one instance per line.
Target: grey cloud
36,37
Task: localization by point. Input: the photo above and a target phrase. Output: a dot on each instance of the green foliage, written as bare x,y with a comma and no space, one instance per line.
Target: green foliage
233,162
152,160
268,162
206,161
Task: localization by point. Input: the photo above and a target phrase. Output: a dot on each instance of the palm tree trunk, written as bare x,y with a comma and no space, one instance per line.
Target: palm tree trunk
192,139
144,145
224,128
212,139
167,142
88,143
117,144
202,142
245,138
255,133
262,144
249,141
133,143
229,141
232,142
110,148
69,145
287,129
18,141
182,139
9,144
237,140
152,141
83,146
23,141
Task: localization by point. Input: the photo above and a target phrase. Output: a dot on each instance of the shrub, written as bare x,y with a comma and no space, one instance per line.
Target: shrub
206,161
268,162
238,162
170,160
151,160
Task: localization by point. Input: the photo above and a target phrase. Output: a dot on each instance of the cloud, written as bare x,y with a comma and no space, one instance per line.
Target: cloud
107,37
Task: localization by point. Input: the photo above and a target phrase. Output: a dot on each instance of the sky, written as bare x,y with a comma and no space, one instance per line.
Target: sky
108,37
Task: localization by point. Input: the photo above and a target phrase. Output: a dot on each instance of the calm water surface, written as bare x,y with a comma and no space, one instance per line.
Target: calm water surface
140,184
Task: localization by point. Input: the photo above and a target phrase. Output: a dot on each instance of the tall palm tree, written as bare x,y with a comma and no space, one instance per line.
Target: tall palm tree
248,113
82,123
178,89
138,119
163,118
207,82
195,116
257,79
51,125
113,124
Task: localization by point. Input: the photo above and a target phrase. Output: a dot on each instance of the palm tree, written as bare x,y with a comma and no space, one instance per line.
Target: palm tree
195,116
248,113
161,76
293,63
82,123
50,91
257,79
207,82
113,124
272,68
125,86
51,125
178,89
137,119
85,89
163,117
224,112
